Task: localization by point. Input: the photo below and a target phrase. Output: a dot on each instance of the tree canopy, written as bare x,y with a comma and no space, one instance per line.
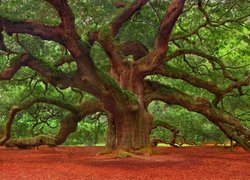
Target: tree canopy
64,60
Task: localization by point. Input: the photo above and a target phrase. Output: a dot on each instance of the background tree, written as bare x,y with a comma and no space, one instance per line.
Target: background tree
88,56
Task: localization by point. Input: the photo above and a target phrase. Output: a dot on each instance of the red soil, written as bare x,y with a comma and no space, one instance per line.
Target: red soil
81,163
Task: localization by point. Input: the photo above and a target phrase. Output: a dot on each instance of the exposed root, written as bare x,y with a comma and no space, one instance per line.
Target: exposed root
105,152
121,153
118,154
125,154
147,151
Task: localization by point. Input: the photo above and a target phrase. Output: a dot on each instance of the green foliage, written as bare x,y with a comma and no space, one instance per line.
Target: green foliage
40,11
193,127
90,132
105,33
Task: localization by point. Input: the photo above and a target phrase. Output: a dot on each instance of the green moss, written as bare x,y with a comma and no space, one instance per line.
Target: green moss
167,89
127,95
105,33
130,96
9,17
109,80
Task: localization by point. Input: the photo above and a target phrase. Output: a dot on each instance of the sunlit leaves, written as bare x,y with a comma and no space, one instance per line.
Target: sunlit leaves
28,9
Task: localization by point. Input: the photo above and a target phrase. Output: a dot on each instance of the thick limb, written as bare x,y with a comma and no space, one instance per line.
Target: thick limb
15,109
30,142
25,27
157,91
69,124
166,125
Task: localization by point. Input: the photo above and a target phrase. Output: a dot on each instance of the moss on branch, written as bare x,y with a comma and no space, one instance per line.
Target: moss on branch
30,142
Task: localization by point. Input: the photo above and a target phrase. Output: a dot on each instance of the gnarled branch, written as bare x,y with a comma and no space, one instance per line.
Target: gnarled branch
126,15
15,109
45,32
166,27
210,58
176,73
164,124
157,91
136,49
14,67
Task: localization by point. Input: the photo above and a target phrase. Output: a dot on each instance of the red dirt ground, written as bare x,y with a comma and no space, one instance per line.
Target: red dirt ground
81,163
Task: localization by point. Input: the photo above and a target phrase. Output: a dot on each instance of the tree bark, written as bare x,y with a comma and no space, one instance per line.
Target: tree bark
128,130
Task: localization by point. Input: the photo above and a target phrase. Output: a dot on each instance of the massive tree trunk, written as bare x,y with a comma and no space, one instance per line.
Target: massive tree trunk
128,124
129,130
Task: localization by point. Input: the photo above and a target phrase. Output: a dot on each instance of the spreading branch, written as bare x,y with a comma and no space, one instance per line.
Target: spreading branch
15,109
126,15
157,91
54,77
210,58
208,23
67,126
166,27
45,32
63,60
66,16
3,46
14,67
176,73
137,50
164,124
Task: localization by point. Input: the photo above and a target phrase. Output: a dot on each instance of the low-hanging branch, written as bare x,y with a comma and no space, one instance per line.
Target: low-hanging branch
193,103
67,125
157,91
15,109
26,143
164,124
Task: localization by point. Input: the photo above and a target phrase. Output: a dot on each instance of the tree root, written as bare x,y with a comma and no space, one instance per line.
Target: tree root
121,153
105,152
147,151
